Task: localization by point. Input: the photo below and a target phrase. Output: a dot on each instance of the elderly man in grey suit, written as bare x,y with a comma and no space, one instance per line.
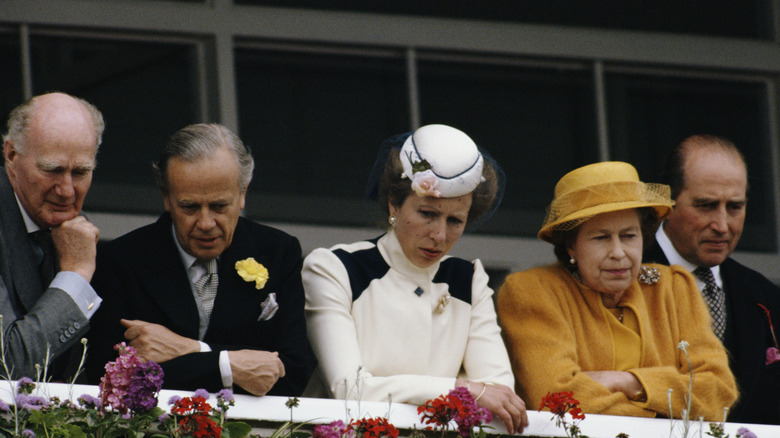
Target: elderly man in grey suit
47,250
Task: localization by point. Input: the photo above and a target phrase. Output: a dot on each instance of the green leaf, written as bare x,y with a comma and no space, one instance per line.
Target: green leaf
420,166
156,412
280,431
73,431
236,429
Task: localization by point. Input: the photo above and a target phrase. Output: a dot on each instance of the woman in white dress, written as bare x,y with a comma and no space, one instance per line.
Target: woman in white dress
396,316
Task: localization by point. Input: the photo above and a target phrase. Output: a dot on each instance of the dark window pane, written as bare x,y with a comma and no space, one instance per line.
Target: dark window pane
315,123
537,123
723,18
11,93
146,91
651,114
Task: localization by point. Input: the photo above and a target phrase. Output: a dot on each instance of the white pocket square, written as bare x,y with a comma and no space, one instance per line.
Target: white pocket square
269,306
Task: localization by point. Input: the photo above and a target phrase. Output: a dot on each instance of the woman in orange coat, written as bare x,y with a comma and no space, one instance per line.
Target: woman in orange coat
617,333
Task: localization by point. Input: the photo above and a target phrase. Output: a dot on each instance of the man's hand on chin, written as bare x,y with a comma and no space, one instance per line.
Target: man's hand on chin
76,243
254,370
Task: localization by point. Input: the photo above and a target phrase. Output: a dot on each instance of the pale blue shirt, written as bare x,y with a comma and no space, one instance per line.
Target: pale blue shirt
194,272
676,259
73,284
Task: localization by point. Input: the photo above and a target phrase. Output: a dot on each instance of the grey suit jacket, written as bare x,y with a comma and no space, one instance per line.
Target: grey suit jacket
34,316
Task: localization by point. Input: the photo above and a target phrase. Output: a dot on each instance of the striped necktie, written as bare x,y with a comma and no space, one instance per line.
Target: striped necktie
206,286
715,298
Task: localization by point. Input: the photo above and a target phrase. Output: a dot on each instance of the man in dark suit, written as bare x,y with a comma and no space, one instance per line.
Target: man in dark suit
47,251
201,321
708,178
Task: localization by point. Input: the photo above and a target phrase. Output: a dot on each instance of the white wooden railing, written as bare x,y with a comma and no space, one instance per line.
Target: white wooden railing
269,412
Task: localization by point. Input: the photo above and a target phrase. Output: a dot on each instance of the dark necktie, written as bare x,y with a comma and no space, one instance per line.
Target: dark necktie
46,256
206,286
715,298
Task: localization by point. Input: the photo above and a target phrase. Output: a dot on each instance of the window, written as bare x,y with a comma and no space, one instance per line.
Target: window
146,91
10,75
537,122
315,122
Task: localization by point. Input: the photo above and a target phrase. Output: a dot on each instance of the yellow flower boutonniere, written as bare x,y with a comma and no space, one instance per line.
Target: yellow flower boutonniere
250,270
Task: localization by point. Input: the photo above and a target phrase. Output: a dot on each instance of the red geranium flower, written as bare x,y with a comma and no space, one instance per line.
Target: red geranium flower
559,403
196,418
374,428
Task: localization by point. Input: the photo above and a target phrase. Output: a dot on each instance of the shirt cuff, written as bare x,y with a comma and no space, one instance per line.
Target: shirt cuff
224,368
79,290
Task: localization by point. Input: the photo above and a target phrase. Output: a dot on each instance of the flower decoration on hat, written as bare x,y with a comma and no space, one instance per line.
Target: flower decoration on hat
424,181
250,270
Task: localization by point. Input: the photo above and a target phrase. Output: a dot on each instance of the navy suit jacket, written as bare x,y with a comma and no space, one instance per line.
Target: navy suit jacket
35,316
747,338
141,276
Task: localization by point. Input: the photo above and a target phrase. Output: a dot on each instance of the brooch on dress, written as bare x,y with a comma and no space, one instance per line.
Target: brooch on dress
649,275
443,301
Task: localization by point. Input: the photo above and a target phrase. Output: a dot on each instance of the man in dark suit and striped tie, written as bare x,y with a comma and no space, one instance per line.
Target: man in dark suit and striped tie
708,178
173,289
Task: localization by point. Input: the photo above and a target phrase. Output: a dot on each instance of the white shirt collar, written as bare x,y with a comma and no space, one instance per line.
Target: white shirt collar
28,223
187,259
675,258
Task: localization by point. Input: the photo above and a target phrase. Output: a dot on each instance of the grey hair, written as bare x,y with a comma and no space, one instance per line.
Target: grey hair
200,140
21,117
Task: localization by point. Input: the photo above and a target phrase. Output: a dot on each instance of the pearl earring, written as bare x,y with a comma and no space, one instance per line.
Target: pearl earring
391,220
572,261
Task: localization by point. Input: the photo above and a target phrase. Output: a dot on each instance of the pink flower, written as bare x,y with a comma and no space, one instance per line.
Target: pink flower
130,384
425,183
335,429
772,355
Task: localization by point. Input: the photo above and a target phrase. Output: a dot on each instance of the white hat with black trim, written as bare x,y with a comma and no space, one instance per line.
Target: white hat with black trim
442,162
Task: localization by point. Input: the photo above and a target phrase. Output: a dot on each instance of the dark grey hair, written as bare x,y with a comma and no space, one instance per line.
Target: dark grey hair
21,117
194,142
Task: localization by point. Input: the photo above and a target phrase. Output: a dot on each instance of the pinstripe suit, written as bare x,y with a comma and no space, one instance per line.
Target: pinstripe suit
34,315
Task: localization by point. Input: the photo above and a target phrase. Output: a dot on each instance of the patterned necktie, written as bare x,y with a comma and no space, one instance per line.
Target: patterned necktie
206,286
715,298
46,256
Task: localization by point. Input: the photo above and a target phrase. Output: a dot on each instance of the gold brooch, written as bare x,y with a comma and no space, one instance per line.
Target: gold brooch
443,301
649,275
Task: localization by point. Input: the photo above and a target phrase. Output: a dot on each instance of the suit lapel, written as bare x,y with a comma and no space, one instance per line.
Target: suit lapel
18,249
170,285
654,254
745,322
236,298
